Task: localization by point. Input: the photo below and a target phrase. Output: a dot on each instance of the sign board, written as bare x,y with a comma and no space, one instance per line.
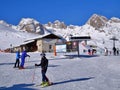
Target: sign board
81,38
61,48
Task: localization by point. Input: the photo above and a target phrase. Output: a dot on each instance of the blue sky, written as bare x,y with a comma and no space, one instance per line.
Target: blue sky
75,12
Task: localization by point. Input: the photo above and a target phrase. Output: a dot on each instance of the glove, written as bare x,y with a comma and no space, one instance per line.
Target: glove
35,64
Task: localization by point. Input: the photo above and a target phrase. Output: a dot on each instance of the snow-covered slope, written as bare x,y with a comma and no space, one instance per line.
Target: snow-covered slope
9,36
98,27
84,73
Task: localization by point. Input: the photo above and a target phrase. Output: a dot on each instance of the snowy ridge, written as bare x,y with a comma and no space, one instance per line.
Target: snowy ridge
10,36
98,27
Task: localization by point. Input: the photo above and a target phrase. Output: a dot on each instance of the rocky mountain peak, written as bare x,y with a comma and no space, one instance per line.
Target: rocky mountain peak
31,25
97,21
57,24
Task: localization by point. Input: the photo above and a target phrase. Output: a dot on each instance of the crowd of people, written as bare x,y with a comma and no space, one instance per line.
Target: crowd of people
114,51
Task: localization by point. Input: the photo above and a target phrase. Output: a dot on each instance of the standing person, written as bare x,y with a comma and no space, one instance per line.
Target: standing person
17,59
24,54
89,51
117,51
44,66
114,50
106,51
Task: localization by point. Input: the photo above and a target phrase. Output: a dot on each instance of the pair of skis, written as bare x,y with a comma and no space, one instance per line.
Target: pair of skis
49,83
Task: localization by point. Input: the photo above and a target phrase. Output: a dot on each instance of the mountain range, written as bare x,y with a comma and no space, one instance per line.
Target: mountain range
100,28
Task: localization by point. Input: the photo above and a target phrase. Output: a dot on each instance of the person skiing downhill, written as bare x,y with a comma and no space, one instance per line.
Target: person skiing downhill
44,66
17,59
23,56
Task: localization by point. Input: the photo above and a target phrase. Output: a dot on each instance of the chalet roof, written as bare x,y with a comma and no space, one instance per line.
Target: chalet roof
51,36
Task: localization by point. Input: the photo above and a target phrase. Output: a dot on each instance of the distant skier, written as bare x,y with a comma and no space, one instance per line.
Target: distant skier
44,66
89,51
106,51
117,51
17,59
114,50
23,56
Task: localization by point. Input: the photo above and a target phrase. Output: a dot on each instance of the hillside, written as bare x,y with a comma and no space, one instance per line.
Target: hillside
98,27
10,37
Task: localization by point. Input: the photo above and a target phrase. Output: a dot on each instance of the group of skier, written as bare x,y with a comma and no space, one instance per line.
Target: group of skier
43,64
115,51
22,56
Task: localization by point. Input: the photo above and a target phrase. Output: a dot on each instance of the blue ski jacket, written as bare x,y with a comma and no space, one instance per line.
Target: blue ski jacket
17,55
24,54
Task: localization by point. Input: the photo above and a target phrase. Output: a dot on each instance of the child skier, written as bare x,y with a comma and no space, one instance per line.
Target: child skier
24,54
17,59
44,66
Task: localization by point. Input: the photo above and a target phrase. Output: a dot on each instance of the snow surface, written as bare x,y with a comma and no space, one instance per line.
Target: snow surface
66,72
10,36
77,73
99,38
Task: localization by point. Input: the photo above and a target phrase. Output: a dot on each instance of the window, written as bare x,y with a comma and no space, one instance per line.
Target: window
50,46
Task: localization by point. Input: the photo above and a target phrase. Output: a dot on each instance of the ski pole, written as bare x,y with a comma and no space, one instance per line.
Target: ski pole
33,77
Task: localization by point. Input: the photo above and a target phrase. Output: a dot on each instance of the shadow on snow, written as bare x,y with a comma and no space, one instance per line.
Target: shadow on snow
35,67
73,80
18,87
74,56
81,56
6,63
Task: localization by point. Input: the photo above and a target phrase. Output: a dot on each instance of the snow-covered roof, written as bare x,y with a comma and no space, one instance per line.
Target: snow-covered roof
48,35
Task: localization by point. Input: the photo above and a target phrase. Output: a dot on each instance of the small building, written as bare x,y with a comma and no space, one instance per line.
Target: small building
41,43
74,43
47,42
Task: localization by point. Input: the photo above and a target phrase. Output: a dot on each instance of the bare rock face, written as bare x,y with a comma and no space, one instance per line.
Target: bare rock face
57,24
97,21
31,25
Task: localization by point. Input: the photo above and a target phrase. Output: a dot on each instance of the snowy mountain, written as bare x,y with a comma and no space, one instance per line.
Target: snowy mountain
98,27
10,36
56,24
30,25
97,21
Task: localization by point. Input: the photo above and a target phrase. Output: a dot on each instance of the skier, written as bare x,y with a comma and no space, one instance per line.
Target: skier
44,66
89,51
106,51
117,51
17,59
24,54
114,50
